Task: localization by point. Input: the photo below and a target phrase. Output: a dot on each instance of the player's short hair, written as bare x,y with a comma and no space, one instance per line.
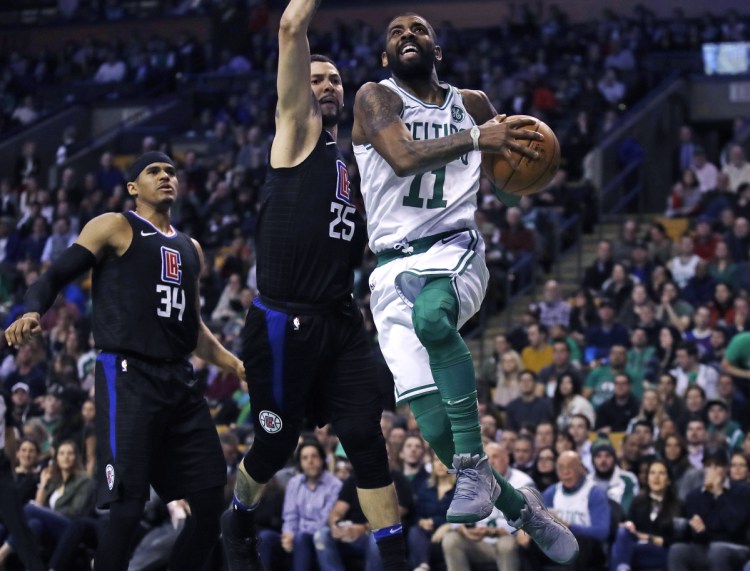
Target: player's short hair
322,58
426,21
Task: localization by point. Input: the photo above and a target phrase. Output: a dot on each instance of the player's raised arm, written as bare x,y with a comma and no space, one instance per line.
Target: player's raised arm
377,121
296,102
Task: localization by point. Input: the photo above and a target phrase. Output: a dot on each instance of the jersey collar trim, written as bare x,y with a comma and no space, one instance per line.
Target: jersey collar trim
448,97
172,234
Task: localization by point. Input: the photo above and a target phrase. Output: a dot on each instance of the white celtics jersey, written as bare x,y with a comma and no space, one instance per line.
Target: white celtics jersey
574,508
402,209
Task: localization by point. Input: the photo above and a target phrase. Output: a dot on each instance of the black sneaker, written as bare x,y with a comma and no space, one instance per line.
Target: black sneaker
241,552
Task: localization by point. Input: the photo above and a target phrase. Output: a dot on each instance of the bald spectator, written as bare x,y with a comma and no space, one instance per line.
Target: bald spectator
737,167
583,507
553,310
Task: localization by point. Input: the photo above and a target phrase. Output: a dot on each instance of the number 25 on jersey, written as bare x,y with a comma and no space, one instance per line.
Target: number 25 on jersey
342,226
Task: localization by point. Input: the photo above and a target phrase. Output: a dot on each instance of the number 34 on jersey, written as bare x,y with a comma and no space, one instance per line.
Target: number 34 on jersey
171,295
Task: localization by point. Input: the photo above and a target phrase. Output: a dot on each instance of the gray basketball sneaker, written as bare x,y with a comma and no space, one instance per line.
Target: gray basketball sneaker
476,489
554,539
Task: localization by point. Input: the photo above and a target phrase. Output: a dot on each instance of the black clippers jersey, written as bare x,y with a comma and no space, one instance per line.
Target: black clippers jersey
310,236
145,301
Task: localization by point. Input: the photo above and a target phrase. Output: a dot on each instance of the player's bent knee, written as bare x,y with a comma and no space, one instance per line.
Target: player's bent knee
432,324
364,444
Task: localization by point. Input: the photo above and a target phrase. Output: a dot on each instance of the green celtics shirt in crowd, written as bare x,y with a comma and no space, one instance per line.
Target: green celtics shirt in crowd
738,352
733,433
602,381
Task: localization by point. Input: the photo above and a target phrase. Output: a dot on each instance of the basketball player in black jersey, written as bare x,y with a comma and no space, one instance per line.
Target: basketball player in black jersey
152,425
304,344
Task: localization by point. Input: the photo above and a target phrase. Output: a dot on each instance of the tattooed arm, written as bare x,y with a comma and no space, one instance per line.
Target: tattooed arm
377,121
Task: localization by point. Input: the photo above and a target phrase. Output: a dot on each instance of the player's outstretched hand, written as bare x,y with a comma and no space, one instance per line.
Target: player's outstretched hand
23,329
502,136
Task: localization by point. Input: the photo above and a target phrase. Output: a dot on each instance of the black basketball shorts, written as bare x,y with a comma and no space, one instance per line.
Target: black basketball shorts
314,365
152,427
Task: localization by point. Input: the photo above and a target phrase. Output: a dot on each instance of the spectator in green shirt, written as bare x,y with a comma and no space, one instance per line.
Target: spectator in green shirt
721,424
639,357
736,360
600,383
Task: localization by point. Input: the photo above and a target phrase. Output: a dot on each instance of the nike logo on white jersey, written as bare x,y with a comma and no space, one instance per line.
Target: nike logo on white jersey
147,233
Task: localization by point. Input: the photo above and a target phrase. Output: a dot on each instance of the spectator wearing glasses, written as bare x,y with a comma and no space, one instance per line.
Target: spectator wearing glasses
544,473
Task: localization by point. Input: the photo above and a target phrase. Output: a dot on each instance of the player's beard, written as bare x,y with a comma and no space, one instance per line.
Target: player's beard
420,69
331,119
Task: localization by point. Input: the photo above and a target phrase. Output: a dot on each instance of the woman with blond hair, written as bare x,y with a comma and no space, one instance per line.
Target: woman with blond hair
508,372
652,411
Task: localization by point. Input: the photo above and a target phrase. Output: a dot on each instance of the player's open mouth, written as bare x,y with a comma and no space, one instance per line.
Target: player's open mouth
409,49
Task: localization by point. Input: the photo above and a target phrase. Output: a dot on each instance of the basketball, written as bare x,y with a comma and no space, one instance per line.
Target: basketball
532,175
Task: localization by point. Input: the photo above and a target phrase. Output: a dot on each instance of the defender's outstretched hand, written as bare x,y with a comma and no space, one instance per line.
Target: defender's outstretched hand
23,329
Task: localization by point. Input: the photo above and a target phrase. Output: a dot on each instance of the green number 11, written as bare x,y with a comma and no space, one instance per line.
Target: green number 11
413,199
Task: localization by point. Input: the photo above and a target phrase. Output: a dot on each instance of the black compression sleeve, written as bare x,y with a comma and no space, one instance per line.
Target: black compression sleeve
71,263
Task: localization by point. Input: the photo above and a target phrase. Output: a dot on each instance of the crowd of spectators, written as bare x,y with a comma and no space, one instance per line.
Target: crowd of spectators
624,401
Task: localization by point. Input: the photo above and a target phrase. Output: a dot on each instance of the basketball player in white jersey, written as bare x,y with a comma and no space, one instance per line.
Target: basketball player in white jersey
416,142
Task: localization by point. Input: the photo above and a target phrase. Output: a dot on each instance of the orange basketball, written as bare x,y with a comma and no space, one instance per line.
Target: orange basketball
532,174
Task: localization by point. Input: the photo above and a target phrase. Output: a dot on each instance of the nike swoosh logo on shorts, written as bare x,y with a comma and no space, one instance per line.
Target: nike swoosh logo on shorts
147,233
449,239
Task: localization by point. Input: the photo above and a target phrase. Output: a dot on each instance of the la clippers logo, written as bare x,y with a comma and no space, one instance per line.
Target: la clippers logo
171,262
270,421
342,183
110,472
